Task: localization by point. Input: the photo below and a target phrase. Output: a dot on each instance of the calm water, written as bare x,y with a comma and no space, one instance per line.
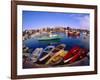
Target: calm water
82,41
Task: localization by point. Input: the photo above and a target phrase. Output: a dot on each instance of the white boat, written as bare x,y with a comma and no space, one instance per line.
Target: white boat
46,52
36,54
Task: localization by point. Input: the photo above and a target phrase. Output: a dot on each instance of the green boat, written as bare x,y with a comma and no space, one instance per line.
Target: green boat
50,37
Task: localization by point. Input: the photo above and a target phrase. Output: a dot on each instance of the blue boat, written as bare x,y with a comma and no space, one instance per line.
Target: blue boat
46,52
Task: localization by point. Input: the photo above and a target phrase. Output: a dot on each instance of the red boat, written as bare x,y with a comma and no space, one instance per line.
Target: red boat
75,54
71,52
73,33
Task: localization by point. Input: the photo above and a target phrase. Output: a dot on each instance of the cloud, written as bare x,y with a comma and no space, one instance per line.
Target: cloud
82,19
85,22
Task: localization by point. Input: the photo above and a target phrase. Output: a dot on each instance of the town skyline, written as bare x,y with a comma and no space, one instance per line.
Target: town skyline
38,20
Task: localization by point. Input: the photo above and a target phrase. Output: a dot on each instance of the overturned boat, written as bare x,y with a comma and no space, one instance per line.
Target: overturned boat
36,54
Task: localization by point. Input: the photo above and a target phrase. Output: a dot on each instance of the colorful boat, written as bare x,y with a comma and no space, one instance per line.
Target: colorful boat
46,52
80,55
52,52
75,54
71,52
36,54
50,37
57,58
57,49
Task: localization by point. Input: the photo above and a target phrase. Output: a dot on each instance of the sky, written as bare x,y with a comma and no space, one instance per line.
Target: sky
38,20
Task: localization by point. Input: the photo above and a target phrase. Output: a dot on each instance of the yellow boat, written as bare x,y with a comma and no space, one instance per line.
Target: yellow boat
57,58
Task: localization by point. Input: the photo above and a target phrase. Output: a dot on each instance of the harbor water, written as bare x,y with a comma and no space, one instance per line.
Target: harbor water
81,41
